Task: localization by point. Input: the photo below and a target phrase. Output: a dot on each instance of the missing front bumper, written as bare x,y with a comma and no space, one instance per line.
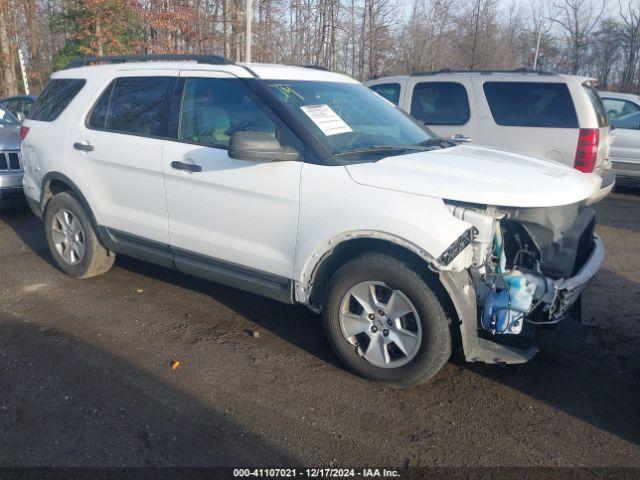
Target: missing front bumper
568,291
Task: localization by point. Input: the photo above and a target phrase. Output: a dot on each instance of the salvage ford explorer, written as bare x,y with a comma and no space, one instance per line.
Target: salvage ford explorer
304,186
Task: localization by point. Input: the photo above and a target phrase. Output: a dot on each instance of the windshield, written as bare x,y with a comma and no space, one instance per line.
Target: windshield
348,118
6,117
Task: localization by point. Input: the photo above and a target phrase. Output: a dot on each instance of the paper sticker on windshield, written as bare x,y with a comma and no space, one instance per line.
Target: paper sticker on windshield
326,119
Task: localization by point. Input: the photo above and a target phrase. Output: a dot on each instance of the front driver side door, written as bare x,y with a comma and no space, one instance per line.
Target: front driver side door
229,220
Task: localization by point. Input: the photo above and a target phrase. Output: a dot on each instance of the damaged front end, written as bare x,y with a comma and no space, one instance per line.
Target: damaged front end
527,268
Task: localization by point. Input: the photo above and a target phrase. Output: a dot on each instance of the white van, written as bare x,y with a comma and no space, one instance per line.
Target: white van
543,114
304,186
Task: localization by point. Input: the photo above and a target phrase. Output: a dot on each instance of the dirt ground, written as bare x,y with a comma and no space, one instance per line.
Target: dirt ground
86,378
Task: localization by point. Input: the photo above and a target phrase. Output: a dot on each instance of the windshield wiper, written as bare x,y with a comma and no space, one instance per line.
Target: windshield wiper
418,147
382,148
437,142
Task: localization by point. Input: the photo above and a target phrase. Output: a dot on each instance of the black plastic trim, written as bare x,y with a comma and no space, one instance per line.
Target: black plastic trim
233,275
208,59
74,188
138,247
216,270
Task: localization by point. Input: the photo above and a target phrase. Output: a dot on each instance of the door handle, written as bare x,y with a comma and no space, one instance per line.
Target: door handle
189,167
83,146
458,137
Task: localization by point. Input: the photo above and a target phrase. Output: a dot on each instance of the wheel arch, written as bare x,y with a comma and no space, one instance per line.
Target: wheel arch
54,183
318,272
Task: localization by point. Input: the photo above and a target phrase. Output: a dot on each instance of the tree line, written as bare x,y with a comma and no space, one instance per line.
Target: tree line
362,38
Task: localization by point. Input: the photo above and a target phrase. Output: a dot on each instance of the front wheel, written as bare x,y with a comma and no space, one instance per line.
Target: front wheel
385,322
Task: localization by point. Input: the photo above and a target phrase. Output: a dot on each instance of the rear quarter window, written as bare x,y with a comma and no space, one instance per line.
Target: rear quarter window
56,96
531,104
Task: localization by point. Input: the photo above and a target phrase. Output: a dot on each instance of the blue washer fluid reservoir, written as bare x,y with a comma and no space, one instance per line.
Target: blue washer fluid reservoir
505,309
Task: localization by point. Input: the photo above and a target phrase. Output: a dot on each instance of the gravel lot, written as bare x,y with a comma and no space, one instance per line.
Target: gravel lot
86,377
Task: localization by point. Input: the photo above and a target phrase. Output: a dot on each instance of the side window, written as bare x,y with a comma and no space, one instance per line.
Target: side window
617,107
440,103
12,105
630,121
531,104
630,107
56,96
390,91
214,108
137,106
26,106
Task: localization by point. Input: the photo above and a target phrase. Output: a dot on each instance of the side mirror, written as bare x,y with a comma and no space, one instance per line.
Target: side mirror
21,117
260,147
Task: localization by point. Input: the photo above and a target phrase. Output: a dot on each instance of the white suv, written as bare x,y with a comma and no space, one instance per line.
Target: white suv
547,115
304,186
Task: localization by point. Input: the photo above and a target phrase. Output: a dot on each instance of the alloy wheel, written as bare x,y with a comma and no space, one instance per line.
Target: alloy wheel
68,236
381,323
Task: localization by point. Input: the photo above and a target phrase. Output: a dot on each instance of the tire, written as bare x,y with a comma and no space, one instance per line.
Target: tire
420,358
85,256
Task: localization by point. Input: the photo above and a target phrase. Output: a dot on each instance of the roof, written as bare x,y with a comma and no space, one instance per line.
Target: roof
627,96
85,68
518,73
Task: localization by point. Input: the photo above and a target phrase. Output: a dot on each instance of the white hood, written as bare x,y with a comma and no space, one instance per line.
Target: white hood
475,174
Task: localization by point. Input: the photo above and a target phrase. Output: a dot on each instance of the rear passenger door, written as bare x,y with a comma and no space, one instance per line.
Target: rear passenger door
625,150
234,220
533,117
445,105
118,153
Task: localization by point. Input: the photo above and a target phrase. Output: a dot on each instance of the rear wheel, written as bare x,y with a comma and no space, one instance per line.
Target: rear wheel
72,240
384,321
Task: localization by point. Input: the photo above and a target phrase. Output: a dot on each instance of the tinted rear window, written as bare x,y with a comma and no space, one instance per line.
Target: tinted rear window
531,104
440,103
54,99
135,105
390,91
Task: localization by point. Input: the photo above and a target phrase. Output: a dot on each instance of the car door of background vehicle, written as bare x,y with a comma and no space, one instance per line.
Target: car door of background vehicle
235,216
118,152
625,150
444,103
533,117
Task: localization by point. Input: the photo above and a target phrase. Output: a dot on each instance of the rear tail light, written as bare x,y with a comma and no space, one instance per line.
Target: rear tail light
587,151
23,132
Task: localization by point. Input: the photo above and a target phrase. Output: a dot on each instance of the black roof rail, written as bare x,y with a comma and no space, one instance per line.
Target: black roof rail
316,67
210,59
483,72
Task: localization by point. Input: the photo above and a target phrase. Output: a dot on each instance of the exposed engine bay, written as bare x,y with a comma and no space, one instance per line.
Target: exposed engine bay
529,265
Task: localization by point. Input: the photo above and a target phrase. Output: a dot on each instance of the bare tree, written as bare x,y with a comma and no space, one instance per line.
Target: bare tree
577,18
630,36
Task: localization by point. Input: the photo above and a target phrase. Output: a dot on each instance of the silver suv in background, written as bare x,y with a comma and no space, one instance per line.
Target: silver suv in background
624,111
10,170
543,114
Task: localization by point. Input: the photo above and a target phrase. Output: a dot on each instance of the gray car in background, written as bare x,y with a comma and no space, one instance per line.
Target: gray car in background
11,193
624,111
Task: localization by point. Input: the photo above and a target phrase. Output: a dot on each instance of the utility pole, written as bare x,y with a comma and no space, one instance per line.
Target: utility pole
24,72
248,20
535,58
